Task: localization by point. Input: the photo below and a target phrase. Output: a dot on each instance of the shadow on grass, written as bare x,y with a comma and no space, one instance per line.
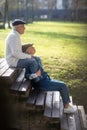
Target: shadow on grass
79,95
60,35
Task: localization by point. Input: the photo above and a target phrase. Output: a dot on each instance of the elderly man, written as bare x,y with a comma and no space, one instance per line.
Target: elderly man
14,55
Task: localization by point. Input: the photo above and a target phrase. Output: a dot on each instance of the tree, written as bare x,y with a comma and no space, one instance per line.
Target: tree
78,4
6,22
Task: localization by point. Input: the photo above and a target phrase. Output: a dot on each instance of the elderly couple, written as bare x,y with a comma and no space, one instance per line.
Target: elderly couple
17,57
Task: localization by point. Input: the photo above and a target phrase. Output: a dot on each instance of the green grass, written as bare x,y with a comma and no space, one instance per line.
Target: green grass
62,47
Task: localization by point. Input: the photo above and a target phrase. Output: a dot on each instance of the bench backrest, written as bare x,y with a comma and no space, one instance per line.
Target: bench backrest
7,75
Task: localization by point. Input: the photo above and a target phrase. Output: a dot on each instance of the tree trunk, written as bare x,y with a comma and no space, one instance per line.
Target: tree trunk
6,22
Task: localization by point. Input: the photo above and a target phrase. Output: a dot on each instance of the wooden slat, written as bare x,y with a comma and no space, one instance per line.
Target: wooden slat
63,118
56,107
32,98
12,72
3,66
2,63
64,122
14,88
40,98
61,107
3,70
8,73
21,86
77,120
48,104
82,117
71,122
68,120
24,87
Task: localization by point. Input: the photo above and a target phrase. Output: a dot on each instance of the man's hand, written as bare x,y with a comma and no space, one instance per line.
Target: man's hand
38,73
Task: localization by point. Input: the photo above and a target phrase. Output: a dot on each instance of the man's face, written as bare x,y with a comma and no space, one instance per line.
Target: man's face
20,28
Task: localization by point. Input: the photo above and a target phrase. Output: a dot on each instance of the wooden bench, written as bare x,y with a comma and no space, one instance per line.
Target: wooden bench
50,103
14,79
52,107
7,75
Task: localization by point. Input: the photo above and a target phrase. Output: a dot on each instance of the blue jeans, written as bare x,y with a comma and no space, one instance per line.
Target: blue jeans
30,66
47,84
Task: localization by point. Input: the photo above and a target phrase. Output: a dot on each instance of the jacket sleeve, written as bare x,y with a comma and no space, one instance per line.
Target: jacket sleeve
16,48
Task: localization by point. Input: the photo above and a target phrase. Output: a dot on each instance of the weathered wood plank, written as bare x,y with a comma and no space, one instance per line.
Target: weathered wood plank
3,70
77,120
68,120
9,72
56,107
64,122
82,117
32,98
63,117
9,75
61,107
14,88
71,122
40,99
48,105
2,63
24,87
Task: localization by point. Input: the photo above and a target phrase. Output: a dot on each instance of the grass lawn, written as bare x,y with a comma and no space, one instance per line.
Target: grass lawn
62,47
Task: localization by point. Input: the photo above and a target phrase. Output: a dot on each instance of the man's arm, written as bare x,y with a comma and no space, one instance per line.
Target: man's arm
16,49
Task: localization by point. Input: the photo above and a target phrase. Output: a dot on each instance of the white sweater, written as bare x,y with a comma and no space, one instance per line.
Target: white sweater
13,49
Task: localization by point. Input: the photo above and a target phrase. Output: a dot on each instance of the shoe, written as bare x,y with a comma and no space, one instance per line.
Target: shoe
70,109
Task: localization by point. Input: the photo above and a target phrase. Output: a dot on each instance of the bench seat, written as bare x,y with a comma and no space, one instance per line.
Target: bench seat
14,79
7,74
49,101
52,107
36,100
21,86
